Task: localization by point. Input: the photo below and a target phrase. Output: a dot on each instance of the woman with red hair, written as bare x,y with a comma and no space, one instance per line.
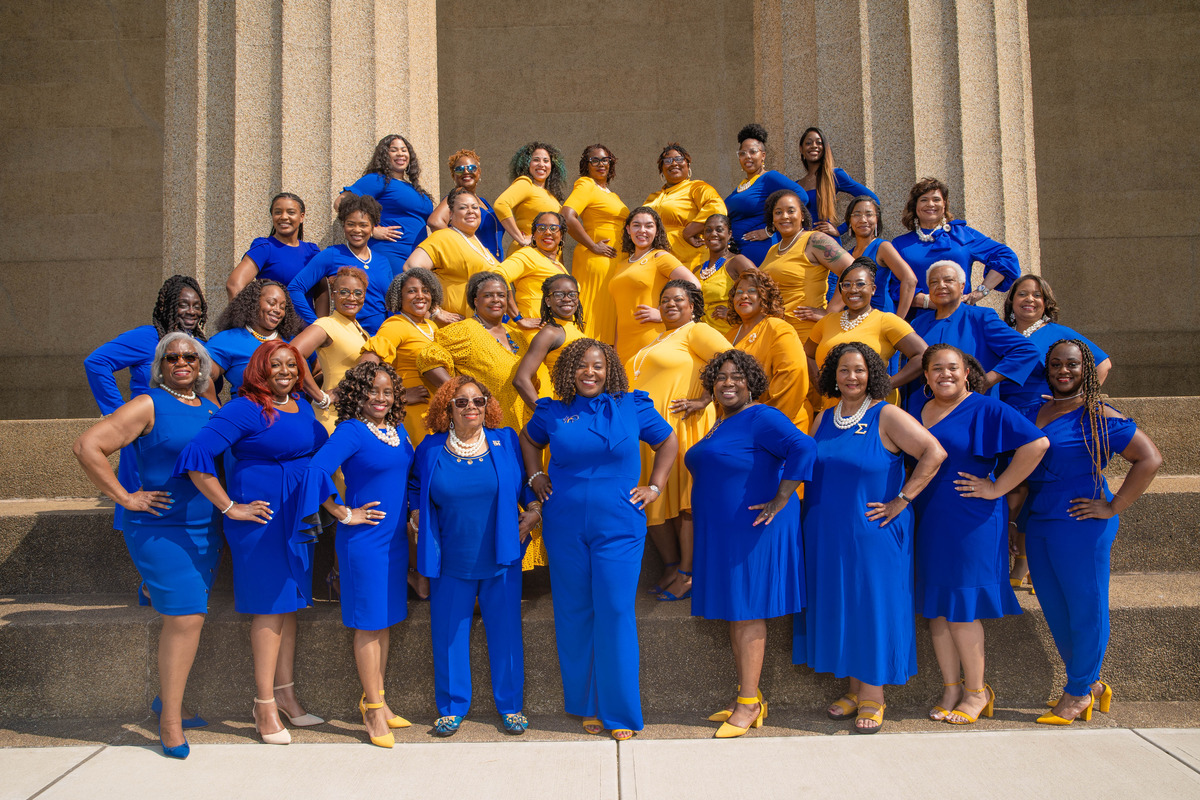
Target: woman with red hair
271,437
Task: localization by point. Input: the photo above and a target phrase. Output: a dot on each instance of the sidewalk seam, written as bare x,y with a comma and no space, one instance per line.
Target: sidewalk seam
46,788
1152,742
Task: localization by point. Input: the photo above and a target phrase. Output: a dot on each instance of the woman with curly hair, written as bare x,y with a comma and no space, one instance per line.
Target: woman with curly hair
271,436
746,201
392,177
467,486
594,215
858,543
562,323
529,267
262,312
180,307
467,171
539,183
822,182
749,465
370,449
281,253
683,204
454,254
1073,519
595,526
336,339
638,280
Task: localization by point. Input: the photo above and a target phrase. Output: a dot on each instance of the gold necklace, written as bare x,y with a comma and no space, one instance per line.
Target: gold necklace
645,351
260,337
480,250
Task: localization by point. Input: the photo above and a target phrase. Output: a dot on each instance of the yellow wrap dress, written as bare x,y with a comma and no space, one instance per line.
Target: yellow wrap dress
523,200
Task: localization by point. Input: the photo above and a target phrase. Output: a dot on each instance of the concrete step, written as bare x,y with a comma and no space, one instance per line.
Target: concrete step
1174,425
95,656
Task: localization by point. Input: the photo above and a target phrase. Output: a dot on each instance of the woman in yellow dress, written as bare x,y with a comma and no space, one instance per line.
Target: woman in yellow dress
338,338
638,280
756,310
562,323
683,203
539,183
467,173
713,274
529,267
454,254
882,331
594,215
668,369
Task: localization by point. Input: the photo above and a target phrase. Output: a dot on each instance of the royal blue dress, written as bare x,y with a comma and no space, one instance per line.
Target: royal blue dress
132,350
380,271
272,574
231,351
977,331
964,246
962,542
859,622
402,205
885,281
1030,393
175,553
278,261
1069,559
746,208
842,184
372,559
743,571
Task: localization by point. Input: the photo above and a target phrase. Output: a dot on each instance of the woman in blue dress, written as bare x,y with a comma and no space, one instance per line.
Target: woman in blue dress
1073,520
393,178
467,486
595,525
180,307
466,171
373,452
744,472
858,544
260,313
935,235
962,526
280,254
865,221
272,436
170,529
746,202
823,180
1004,354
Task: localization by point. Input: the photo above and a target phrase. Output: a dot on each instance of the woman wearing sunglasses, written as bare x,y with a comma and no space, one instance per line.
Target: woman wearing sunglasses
529,267
467,172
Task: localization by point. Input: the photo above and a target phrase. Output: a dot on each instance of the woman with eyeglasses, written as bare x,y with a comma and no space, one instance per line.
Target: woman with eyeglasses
529,267
746,201
683,203
337,339
466,171
562,323
454,254
170,529
539,183
594,215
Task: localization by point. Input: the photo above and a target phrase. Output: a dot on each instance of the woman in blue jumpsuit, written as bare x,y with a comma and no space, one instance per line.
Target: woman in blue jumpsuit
1073,520
595,525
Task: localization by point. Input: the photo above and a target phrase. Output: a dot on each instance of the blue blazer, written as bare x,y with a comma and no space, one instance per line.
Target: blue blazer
510,475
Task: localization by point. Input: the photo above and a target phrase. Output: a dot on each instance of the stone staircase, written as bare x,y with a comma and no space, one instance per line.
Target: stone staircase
75,644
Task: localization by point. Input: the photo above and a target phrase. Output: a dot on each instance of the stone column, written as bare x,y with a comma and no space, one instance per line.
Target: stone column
905,89
263,97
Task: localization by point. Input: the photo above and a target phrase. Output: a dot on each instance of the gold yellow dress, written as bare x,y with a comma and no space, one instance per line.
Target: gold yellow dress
398,343
602,214
800,281
346,341
455,259
635,283
879,330
777,348
686,202
573,332
466,348
523,200
668,368
715,285
526,269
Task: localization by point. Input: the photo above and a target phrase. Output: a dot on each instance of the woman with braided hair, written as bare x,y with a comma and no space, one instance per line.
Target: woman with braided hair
562,323
1073,519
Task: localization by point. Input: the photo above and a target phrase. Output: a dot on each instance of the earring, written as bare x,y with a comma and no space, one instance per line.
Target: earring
925,390
451,424
1012,317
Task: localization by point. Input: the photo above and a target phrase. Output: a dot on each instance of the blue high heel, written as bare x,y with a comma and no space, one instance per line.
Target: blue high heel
666,597
181,752
657,589
195,722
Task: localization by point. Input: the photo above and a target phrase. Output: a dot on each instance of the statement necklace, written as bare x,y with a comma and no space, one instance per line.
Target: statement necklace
845,423
850,324
1035,327
928,237
423,332
710,269
260,337
744,185
387,434
645,351
460,449
190,396
479,249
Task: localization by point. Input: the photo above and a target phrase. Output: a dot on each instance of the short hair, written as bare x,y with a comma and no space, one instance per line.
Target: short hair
352,391
756,379
437,420
769,210
548,317
976,376
753,131
203,373
694,293
256,377
1048,300
945,262
678,148
350,272
556,181
862,262
243,309
477,280
298,201
908,220
359,202
457,154
563,380
455,193
769,295
879,383
164,316
394,298
583,161
660,233
864,198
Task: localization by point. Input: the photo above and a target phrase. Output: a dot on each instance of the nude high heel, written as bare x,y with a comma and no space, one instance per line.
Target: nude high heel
279,737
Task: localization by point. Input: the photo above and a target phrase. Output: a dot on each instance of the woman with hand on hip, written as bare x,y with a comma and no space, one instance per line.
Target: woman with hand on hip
539,183
529,267
279,255
683,203
747,200
594,215
823,180
562,323
467,173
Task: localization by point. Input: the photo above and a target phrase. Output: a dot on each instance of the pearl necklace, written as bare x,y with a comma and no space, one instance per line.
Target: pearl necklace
428,336
1035,327
479,249
284,403
710,269
180,395
366,263
260,337
783,249
845,423
645,351
460,448
744,185
848,325
928,237
387,434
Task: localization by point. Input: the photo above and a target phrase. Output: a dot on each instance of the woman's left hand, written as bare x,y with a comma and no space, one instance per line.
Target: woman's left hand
529,323
366,514
970,486
759,235
527,522
885,512
767,511
687,406
647,314
640,496
696,240
972,298
445,317
720,312
1086,508
809,314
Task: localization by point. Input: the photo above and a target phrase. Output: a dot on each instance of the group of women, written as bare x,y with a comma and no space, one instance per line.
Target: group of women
839,434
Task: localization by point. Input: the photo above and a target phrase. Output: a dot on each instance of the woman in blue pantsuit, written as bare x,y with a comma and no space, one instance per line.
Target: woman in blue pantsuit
595,525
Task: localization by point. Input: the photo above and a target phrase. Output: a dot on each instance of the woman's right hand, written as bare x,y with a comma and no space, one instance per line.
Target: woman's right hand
387,233
827,228
257,511
601,248
542,487
444,317
147,501
523,240
885,512
647,315
365,514
415,394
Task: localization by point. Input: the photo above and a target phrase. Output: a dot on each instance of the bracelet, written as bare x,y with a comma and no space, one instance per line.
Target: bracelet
323,403
226,511
657,490
984,291
925,302
529,482
904,497
349,515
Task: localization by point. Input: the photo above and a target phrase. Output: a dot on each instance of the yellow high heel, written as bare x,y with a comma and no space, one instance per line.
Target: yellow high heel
725,713
1054,719
727,731
1103,702
1025,582
396,721
378,741
964,718
945,712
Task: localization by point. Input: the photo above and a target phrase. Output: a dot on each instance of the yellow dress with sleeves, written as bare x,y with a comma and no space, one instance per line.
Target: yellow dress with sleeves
455,259
686,202
602,214
346,339
635,283
398,343
800,281
879,330
668,368
573,332
526,269
777,348
466,348
523,200
716,288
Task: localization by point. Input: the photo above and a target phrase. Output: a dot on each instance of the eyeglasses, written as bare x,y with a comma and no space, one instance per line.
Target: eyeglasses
868,214
744,153
597,160
542,227
357,294
478,401
470,169
674,160
846,286
565,295
188,358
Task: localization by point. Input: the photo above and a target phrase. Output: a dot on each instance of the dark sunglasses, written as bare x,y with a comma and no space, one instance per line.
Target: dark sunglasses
462,402
188,358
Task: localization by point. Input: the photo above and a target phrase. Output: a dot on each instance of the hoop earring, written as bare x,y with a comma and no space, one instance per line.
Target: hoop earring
925,390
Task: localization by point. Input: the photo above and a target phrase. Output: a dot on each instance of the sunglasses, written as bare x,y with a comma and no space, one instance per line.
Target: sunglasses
462,402
470,169
542,227
188,358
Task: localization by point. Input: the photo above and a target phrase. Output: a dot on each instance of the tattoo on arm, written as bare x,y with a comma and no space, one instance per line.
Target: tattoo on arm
826,248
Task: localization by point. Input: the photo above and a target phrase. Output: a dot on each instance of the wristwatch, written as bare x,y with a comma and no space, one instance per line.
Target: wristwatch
657,490
904,497
984,291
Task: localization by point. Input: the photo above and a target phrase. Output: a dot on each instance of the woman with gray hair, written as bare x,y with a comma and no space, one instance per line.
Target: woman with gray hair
169,526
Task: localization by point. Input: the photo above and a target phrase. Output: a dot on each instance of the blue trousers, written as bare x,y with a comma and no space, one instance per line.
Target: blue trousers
451,607
594,581
1069,565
